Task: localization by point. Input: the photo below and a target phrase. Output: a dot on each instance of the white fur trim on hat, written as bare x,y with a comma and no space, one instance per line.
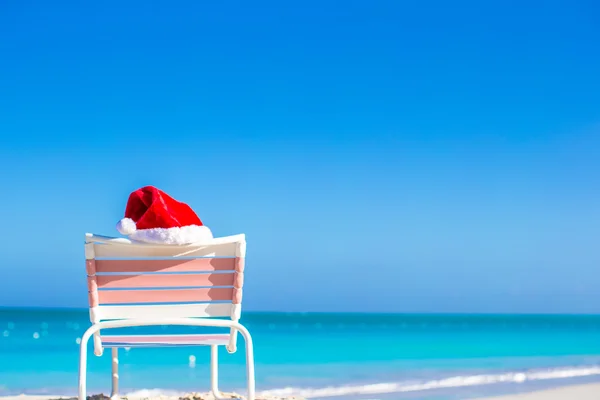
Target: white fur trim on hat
126,226
183,235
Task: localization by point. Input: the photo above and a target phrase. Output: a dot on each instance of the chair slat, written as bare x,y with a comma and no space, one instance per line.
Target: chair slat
164,296
171,265
163,281
163,311
132,250
160,340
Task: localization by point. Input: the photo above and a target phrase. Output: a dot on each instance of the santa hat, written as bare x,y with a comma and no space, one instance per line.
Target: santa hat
155,217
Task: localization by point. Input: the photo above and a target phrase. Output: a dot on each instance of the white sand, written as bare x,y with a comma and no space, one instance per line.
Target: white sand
29,397
579,392
191,396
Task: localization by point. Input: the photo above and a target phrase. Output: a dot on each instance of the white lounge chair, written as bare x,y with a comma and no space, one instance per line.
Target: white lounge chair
159,289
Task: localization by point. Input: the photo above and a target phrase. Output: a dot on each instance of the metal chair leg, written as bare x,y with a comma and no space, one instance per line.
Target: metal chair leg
83,364
114,395
214,371
249,364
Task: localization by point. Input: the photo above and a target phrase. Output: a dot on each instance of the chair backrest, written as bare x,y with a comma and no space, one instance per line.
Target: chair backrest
130,280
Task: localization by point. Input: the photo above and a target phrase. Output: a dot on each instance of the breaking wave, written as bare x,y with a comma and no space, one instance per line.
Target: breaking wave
446,383
400,387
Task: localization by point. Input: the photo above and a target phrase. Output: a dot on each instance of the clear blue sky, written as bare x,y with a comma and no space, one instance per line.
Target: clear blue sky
380,156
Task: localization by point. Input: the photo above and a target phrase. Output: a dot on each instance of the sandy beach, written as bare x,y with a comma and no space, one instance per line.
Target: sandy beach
577,392
190,396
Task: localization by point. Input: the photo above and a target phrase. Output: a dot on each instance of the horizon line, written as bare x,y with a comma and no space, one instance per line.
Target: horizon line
405,313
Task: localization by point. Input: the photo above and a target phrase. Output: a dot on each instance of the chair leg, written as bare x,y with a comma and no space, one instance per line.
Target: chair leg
214,371
83,365
114,395
249,364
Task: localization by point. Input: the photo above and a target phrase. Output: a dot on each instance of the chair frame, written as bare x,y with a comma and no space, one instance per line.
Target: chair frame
148,320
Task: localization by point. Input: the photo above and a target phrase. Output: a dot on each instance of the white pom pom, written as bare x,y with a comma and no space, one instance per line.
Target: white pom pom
126,226
177,235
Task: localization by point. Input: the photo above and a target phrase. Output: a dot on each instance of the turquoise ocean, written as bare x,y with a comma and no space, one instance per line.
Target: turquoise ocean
358,356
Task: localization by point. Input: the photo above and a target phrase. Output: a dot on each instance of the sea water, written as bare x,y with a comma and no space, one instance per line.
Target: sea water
363,356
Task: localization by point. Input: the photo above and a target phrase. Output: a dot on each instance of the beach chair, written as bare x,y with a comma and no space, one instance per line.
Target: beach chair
137,284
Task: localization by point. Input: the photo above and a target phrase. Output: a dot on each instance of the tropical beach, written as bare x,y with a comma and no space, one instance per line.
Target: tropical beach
579,392
354,200
425,357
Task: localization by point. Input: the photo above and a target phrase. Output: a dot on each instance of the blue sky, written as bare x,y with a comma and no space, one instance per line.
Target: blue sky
380,156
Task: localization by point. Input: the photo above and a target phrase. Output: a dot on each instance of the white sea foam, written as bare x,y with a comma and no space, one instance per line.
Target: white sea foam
401,387
446,383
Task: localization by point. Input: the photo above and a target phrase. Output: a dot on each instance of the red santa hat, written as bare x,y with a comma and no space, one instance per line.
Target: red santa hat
155,217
